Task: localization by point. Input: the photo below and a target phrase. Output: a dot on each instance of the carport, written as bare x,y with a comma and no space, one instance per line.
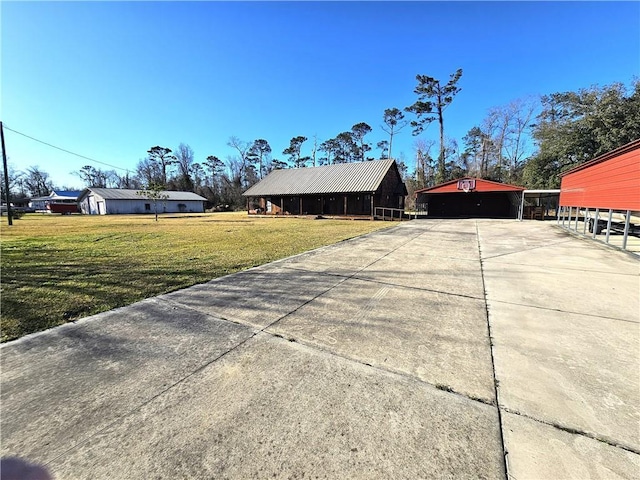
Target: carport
470,197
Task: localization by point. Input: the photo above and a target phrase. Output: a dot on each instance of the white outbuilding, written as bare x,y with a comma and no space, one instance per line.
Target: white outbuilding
109,201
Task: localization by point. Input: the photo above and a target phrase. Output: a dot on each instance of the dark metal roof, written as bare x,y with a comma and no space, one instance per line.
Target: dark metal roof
340,178
127,194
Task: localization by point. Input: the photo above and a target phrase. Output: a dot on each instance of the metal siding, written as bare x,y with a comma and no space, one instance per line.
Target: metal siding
123,206
611,184
358,177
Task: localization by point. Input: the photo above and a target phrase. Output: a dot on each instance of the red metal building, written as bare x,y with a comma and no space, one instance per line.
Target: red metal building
471,197
610,181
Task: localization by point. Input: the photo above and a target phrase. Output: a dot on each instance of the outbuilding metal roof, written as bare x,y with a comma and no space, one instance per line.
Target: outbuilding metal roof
66,194
482,185
340,178
127,194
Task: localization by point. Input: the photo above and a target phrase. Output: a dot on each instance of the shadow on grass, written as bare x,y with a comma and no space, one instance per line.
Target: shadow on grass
39,296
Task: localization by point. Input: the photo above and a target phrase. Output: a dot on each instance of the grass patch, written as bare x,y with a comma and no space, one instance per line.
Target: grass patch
56,269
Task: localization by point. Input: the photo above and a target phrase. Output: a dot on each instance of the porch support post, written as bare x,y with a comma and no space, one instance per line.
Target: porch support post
345,205
300,204
281,205
247,205
372,210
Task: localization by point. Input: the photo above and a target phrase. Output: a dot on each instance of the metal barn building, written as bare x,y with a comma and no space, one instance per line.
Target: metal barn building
610,181
345,189
604,193
470,197
108,201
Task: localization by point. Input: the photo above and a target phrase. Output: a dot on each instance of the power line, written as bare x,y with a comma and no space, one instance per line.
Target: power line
67,151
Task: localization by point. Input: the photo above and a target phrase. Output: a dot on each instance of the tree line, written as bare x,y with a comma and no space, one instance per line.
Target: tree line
528,142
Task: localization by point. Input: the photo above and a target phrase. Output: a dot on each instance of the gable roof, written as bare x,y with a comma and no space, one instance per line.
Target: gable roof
67,194
129,194
482,185
339,178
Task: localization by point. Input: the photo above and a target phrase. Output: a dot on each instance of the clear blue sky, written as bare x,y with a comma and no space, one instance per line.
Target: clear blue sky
109,80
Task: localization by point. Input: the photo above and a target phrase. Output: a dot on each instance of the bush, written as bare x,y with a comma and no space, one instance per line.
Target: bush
17,214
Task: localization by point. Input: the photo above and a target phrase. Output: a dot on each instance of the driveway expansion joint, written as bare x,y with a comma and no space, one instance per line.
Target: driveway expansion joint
549,309
505,453
546,245
399,373
574,431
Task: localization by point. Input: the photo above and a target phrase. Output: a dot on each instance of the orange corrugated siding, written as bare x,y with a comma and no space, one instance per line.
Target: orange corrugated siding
611,184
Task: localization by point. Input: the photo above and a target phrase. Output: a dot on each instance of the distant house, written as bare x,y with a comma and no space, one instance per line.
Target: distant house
343,189
58,201
110,201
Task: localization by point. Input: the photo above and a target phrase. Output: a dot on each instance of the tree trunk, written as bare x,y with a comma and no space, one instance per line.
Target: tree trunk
441,168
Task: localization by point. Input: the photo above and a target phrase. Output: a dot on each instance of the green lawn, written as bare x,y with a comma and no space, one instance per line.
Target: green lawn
57,269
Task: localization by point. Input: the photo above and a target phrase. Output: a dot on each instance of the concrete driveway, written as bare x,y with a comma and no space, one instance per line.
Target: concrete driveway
435,349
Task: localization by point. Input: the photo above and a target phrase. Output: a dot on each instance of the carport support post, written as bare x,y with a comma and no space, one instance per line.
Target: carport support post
577,217
301,205
345,205
609,224
626,229
521,212
568,220
584,224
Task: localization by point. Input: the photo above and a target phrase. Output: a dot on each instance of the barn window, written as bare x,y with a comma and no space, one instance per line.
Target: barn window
147,207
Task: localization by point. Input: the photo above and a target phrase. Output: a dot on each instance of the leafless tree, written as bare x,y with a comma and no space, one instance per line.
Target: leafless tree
37,182
424,163
184,161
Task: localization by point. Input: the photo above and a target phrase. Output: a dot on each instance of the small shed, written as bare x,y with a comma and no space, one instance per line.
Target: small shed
106,201
346,189
470,197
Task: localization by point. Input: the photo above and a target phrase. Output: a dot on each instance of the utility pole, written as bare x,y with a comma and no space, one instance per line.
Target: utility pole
6,176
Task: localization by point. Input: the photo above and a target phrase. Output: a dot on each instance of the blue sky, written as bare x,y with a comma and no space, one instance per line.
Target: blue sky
109,80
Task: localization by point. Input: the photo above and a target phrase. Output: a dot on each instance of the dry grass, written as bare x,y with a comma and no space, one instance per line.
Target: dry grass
57,269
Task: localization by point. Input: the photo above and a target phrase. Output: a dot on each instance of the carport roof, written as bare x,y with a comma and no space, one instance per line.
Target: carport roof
340,178
482,185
